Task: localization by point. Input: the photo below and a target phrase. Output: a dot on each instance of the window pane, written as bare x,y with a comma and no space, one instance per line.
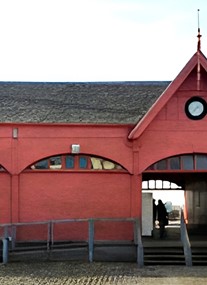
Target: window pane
187,162
161,165
43,164
118,166
152,167
83,162
174,162
201,162
69,161
96,163
108,165
55,162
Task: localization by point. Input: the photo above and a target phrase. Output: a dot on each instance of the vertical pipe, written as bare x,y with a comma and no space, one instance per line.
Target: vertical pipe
90,240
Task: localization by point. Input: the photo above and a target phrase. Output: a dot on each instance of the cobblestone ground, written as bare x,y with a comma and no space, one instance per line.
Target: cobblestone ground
63,273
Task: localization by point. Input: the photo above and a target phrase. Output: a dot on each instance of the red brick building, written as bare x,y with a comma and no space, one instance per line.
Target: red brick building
82,150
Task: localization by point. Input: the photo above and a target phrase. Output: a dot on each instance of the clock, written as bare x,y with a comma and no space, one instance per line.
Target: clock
196,108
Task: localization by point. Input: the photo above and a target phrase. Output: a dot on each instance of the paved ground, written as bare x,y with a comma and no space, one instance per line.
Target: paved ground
64,273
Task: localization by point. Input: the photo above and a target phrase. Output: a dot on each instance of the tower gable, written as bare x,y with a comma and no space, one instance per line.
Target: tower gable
191,81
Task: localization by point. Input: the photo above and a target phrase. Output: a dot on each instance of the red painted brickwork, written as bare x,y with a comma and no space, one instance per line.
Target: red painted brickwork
46,196
28,195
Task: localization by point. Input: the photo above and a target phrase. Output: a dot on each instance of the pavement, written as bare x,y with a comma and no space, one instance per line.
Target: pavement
97,273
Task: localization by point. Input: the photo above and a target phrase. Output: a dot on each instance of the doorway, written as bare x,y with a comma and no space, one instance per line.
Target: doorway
172,196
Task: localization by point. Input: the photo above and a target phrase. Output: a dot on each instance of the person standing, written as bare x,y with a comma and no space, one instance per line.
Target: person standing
154,213
162,217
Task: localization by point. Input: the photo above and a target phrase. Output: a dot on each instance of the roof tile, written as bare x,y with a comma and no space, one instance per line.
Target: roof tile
99,102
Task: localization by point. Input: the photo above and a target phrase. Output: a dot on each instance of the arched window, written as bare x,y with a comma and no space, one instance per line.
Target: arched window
75,162
186,162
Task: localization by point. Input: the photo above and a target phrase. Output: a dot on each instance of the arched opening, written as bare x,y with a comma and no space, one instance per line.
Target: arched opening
172,196
185,173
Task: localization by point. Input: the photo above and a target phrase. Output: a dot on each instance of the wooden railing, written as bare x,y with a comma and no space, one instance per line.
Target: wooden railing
185,240
9,234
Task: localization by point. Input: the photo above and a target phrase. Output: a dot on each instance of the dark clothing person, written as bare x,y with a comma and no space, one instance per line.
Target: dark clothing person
162,217
154,212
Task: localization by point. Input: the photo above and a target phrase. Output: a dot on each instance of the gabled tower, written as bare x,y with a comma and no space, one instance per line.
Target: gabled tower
191,83
170,141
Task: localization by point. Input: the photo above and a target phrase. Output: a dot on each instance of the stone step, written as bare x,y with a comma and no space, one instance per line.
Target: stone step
164,255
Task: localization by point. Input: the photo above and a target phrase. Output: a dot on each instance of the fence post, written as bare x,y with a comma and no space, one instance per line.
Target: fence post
5,250
136,232
13,236
6,231
138,242
90,239
48,236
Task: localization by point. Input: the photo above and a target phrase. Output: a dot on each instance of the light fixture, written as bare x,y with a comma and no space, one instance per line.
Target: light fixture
75,148
15,133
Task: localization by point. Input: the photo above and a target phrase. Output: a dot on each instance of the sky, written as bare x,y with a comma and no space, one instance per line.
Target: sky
176,197
98,40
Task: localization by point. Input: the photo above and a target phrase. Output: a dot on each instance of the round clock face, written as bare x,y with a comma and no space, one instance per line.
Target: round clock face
195,108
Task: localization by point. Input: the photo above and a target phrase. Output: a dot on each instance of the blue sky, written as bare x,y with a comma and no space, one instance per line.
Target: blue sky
98,40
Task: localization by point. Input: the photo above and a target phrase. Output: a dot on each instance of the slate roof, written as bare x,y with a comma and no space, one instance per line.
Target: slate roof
99,102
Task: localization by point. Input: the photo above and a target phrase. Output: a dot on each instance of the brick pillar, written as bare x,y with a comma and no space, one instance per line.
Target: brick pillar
136,185
136,195
15,198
